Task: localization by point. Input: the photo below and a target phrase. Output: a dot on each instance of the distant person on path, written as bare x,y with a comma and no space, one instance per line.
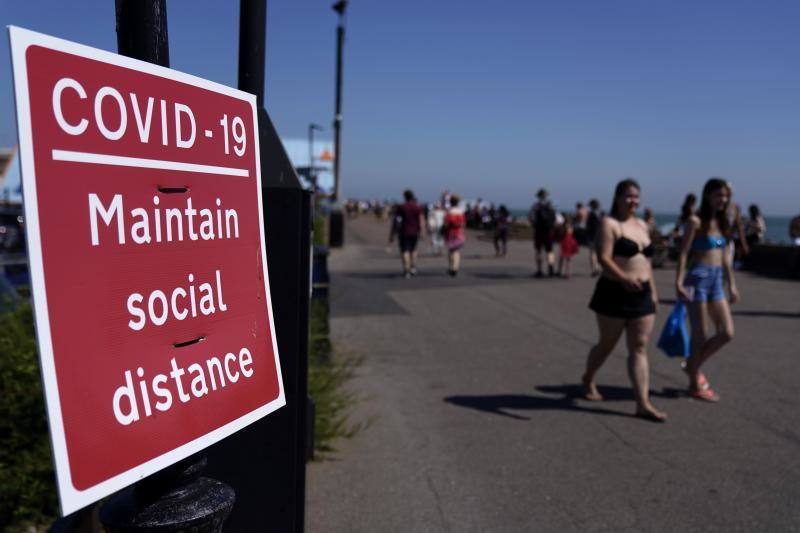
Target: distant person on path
435,225
543,220
593,220
794,230
650,220
738,245
687,210
756,226
703,264
625,298
568,247
502,220
454,222
410,220
579,223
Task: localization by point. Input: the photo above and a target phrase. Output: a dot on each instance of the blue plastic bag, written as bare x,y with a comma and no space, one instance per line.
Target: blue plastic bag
674,340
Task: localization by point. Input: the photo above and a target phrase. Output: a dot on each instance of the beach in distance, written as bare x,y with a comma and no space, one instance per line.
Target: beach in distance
777,226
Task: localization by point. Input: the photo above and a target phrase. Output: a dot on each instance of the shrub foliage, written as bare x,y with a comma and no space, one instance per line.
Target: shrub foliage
27,480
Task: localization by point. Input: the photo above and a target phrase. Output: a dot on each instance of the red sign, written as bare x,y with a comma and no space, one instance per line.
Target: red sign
143,210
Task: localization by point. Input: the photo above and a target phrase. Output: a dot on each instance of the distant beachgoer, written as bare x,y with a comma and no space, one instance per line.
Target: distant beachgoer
756,226
454,222
502,220
435,225
687,210
579,223
794,230
738,246
593,220
625,298
542,216
704,253
411,221
650,220
568,247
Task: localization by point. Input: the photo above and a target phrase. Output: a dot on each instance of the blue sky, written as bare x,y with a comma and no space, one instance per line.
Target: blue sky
495,99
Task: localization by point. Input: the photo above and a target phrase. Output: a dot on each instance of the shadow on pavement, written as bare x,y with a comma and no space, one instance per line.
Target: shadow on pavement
501,275
500,404
775,314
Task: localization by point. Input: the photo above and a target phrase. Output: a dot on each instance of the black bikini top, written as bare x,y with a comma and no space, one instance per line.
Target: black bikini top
625,247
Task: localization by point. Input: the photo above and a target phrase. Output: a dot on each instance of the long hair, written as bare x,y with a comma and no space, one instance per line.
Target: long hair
687,209
706,213
622,186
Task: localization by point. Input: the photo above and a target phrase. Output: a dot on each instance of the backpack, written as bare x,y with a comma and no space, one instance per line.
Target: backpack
545,216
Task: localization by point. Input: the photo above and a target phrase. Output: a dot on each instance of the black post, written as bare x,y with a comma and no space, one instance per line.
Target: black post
142,30
340,7
265,462
177,498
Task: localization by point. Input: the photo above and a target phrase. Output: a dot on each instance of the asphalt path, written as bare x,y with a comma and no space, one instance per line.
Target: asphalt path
470,389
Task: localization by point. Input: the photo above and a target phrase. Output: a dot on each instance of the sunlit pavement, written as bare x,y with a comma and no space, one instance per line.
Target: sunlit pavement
470,383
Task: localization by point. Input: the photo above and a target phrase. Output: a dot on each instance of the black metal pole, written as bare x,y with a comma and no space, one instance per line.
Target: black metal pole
142,30
176,498
252,47
340,8
265,462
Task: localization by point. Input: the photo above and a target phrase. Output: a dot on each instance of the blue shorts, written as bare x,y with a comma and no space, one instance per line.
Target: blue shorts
706,283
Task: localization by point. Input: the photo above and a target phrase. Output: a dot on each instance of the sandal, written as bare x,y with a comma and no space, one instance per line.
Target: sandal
702,382
706,395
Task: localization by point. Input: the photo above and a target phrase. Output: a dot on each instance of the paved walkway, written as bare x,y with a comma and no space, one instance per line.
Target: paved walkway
470,384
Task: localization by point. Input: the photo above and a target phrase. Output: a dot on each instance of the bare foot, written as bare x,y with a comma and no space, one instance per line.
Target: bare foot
651,413
590,391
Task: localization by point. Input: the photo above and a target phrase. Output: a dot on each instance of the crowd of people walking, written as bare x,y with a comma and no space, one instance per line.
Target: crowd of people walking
621,247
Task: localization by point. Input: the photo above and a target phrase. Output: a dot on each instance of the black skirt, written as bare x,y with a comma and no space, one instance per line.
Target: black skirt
610,298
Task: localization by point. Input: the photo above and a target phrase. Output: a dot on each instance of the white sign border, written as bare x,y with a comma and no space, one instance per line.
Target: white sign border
71,498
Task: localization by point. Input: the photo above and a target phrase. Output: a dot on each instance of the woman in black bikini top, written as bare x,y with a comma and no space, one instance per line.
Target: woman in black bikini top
625,247
624,298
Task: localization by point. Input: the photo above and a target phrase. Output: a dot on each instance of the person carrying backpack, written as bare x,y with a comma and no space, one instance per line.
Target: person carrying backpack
542,217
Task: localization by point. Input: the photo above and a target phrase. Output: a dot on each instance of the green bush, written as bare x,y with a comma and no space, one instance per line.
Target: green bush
27,481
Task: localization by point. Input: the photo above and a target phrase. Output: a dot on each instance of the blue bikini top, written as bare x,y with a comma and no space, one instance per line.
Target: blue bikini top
708,242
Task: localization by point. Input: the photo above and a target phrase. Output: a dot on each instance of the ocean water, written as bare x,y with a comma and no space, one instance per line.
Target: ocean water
777,227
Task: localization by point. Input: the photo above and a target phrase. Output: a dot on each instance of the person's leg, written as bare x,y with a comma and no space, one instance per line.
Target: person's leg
593,263
720,313
538,246
551,257
456,260
567,268
406,261
413,261
638,333
497,245
504,241
610,329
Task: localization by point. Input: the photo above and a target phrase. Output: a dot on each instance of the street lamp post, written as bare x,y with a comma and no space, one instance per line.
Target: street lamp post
312,174
340,7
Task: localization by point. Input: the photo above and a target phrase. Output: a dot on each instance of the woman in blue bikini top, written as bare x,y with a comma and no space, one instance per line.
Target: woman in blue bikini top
704,268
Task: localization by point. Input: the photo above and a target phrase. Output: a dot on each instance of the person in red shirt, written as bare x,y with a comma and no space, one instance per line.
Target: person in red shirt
568,247
410,220
454,222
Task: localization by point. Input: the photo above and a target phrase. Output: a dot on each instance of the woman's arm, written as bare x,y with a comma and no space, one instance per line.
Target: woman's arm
605,255
691,227
727,265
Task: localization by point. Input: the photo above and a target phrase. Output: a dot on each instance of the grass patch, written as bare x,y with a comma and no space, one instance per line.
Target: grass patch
327,376
27,481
